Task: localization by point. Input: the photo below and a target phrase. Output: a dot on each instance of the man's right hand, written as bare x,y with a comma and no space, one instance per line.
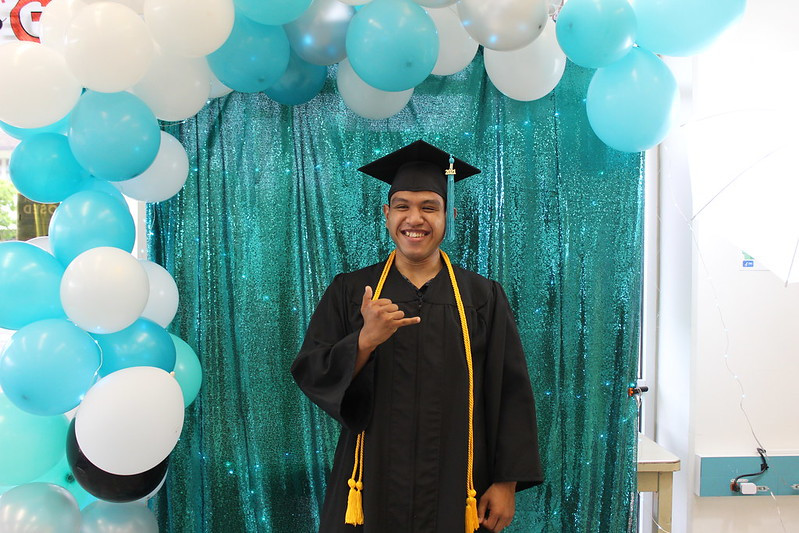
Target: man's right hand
381,318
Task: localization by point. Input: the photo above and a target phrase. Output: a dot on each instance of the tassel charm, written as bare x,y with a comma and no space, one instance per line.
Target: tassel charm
354,515
472,521
449,229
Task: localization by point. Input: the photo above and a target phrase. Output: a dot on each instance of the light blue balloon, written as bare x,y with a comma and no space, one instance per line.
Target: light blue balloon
143,343
188,371
114,136
62,127
300,83
43,168
30,445
596,33
683,27
48,366
62,476
106,517
39,507
30,282
392,45
93,184
273,12
89,219
253,58
318,36
632,104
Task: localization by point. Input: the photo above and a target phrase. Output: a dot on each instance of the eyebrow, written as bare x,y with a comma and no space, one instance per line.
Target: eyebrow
435,202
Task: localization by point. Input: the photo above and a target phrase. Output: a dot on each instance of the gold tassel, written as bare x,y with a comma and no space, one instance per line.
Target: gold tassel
472,521
354,515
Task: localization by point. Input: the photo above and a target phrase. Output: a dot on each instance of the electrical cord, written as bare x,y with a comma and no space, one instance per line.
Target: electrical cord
735,485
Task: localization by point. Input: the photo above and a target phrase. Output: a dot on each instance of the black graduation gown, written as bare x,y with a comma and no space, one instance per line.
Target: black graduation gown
412,399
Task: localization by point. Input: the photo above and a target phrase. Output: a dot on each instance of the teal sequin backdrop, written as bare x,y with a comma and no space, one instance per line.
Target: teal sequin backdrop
274,207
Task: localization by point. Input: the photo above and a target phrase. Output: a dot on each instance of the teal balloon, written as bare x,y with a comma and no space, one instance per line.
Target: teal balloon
143,343
48,366
114,136
596,33
91,183
39,508
632,104
89,219
188,371
300,83
30,282
683,27
43,168
253,58
30,445
62,127
273,12
62,476
392,45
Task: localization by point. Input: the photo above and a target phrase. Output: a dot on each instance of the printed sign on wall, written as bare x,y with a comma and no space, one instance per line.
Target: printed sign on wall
19,19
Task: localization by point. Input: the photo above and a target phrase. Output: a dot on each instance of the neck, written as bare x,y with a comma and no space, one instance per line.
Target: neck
421,271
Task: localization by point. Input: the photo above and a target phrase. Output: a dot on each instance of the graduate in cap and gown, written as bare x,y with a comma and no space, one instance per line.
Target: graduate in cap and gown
421,363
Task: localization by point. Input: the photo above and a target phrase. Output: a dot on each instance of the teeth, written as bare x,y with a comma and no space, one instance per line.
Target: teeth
414,234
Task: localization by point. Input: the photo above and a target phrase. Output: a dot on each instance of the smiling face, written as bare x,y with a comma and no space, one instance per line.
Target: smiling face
416,221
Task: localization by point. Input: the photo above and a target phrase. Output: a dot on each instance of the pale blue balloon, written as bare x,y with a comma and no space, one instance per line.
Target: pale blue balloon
632,104
114,136
143,343
683,27
253,58
392,45
188,371
48,366
89,219
93,184
43,168
30,445
300,83
39,507
62,476
106,517
273,12
30,284
61,126
596,33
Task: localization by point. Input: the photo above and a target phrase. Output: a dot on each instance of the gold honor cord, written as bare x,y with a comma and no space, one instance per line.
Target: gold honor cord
354,515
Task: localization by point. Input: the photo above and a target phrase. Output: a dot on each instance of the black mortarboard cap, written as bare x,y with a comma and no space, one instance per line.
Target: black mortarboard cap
419,166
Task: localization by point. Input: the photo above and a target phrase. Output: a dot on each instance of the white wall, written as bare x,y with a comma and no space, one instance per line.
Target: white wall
709,307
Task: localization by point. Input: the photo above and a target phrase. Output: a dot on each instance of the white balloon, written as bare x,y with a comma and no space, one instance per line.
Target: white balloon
43,243
106,517
135,5
108,47
435,3
175,88
163,301
163,178
217,87
531,72
55,19
37,88
190,28
104,290
365,100
504,24
355,2
130,420
456,47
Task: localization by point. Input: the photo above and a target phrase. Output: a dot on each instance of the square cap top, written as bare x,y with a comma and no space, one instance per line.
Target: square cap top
419,166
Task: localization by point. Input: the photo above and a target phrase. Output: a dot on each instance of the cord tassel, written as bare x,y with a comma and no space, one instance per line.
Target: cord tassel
354,515
472,521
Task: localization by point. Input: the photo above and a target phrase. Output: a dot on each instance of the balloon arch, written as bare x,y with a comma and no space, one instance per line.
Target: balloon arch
91,320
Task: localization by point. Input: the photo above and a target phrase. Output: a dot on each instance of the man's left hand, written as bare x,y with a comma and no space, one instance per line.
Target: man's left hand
497,506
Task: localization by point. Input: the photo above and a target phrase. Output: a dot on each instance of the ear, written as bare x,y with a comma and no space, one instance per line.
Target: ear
385,212
455,213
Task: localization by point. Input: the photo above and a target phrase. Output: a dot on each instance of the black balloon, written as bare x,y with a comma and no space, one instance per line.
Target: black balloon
106,486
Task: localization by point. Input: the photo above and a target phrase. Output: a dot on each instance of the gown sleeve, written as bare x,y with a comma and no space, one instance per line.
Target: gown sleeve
323,369
509,401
